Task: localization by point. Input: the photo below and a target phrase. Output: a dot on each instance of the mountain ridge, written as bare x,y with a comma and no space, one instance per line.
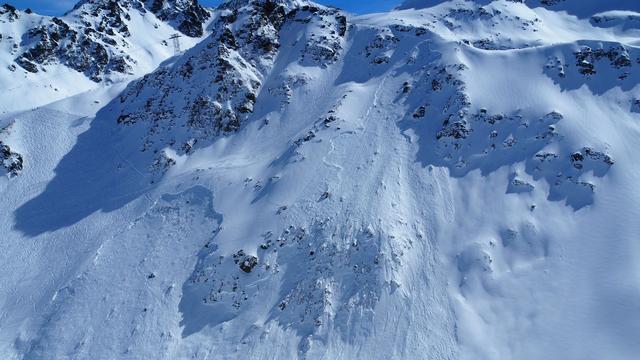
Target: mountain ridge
455,182
573,7
113,17
100,42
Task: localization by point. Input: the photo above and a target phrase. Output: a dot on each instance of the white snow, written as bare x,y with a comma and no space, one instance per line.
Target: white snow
380,236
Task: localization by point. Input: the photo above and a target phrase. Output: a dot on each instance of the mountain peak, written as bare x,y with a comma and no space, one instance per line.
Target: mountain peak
11,10
96,36
237,4
187,16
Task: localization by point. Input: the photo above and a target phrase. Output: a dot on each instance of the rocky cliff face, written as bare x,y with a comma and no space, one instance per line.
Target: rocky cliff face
187,16
213,88
10,161
93,37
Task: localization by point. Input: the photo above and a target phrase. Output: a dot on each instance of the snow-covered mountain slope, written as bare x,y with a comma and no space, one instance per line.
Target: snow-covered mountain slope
49,58
214,87
579,8
448,182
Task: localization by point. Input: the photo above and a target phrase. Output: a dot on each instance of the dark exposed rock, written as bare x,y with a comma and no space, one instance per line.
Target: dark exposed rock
85,51
577,156
91,46
28,65
545,156
420,112
10,11
324,47
342,25
406,87
248,263
12,162
162,163
234,59
587,153
308,137
598,156
245,262
329,119
576,159
188,16
204,113
586,58
227,38
325,195
457,129
379,48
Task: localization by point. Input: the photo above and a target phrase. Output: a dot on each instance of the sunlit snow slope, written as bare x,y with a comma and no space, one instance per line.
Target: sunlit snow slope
450,180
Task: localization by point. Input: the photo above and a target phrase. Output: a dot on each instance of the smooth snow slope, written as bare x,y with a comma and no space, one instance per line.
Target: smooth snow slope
457,182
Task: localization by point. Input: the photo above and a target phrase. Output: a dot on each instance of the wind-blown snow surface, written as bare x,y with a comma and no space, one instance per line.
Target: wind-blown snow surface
454,182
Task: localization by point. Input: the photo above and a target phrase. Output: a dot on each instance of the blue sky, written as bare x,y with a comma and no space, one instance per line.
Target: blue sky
58,7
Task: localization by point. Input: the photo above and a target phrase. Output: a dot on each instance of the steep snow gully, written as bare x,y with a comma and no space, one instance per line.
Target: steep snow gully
448,180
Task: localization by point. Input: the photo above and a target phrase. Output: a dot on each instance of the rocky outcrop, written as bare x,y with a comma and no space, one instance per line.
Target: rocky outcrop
92,38
86,50
586,58
9,12
245,262
188,16
10,161
214,87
